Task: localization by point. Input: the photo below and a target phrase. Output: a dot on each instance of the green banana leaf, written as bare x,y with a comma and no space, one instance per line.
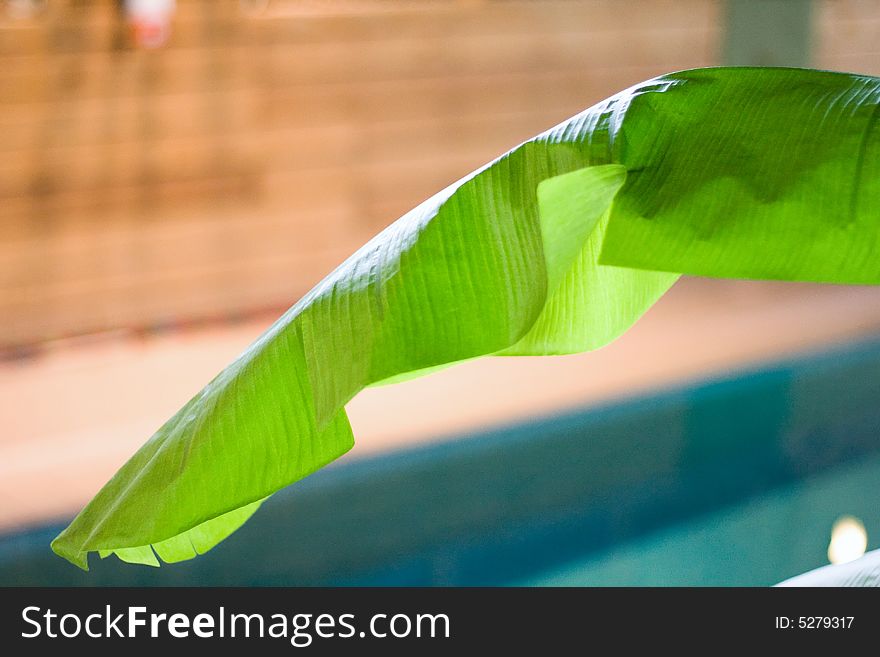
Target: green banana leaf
558,246
863,572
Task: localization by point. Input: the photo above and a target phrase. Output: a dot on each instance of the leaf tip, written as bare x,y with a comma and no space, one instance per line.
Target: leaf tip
63,549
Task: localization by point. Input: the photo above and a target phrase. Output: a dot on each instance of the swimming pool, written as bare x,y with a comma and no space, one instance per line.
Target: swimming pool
733,481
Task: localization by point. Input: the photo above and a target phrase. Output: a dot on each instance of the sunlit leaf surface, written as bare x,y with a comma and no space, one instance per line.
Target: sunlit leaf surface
556,247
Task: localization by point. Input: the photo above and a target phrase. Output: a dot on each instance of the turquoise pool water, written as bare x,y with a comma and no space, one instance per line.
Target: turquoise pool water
757,542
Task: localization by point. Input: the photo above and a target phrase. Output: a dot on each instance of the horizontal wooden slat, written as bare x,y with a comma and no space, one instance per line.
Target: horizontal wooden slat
110,75
166,296
79,29
126,164
77,122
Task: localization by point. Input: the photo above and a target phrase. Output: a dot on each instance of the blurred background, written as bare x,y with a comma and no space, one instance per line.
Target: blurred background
176,174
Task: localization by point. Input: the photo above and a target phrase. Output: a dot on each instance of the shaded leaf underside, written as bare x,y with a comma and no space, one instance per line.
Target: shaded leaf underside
556,247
